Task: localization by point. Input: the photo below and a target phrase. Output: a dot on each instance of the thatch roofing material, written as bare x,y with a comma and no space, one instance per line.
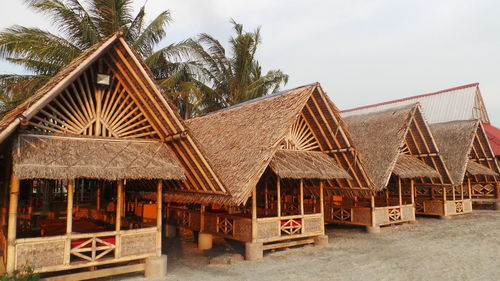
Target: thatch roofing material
379,136
476,169
454,140
53,157
294,164
240,141
409,167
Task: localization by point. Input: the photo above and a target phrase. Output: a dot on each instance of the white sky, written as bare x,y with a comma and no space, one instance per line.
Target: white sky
361,52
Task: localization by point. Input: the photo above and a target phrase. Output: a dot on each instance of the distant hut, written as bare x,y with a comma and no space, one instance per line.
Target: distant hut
398,150
471,162
79,157
454,104
276,155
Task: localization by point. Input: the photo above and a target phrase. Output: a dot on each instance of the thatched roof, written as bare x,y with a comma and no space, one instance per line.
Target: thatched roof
455,140
306,165
379,137
55,157
124,63
241,140
476,169
410,167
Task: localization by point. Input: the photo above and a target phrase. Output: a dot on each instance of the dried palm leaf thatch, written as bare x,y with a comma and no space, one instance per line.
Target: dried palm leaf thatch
379,136
58,157
408,167
241,140
455,140
476,169
294,164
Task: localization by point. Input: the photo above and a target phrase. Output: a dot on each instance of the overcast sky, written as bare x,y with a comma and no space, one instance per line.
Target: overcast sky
361,52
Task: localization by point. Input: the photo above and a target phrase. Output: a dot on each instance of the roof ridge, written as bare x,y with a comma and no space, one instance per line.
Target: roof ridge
412,97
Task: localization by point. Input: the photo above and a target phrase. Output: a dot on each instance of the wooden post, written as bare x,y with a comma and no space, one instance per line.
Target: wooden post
453,191
118,221
254,213
322,208
266,196
470,188
301,197
278,190
412,187
159,199
372,204
444,193
202,218
12,223
69,220
400,192
462,192
98,197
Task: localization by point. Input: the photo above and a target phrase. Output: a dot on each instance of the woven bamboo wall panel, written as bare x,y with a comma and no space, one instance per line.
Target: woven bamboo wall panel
243,230
407,213
138,244
381,216
38,255
312,225
268,229
449,208
363,216
210,225
467,206
194,222
434,207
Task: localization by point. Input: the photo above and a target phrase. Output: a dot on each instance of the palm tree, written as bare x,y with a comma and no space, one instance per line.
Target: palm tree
237,78
78,25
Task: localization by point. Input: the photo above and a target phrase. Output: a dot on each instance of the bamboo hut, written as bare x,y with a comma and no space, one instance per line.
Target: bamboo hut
454,104
471,162
399,152
276,155
84,162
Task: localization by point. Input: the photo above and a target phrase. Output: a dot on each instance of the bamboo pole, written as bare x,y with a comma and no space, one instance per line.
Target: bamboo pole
12,223
412,187
372,204
98,197
400,193
301,197
69,221
159,216
119,200
462,192
254,213
444,193
470,188
453,191
278,190
322,208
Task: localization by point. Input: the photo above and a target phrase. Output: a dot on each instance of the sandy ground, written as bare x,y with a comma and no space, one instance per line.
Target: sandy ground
463,248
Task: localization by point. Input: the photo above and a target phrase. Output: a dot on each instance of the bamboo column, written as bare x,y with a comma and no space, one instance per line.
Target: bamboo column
372,204
453,191
412,191
12,223
98,197
301,197
444,193
69,221
400,193
118,221
470,188
254,213
159,199
462,192
278,190
322,208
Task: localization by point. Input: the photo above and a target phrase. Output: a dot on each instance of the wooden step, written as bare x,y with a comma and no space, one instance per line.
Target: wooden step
99,273
288,244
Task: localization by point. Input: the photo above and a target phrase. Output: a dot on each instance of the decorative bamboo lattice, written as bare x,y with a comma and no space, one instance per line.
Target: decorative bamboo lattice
300,137
85,109
291,227
394,214
225,225
93,249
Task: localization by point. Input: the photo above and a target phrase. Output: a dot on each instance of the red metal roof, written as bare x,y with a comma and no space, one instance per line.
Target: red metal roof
493,134
413,97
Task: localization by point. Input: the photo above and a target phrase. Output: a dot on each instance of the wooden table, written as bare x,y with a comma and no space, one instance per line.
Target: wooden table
52,227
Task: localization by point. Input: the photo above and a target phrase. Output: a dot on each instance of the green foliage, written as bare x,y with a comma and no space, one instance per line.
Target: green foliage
27,274
236,78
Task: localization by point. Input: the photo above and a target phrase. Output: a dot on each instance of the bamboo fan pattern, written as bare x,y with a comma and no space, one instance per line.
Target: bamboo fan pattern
85,109
300,137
